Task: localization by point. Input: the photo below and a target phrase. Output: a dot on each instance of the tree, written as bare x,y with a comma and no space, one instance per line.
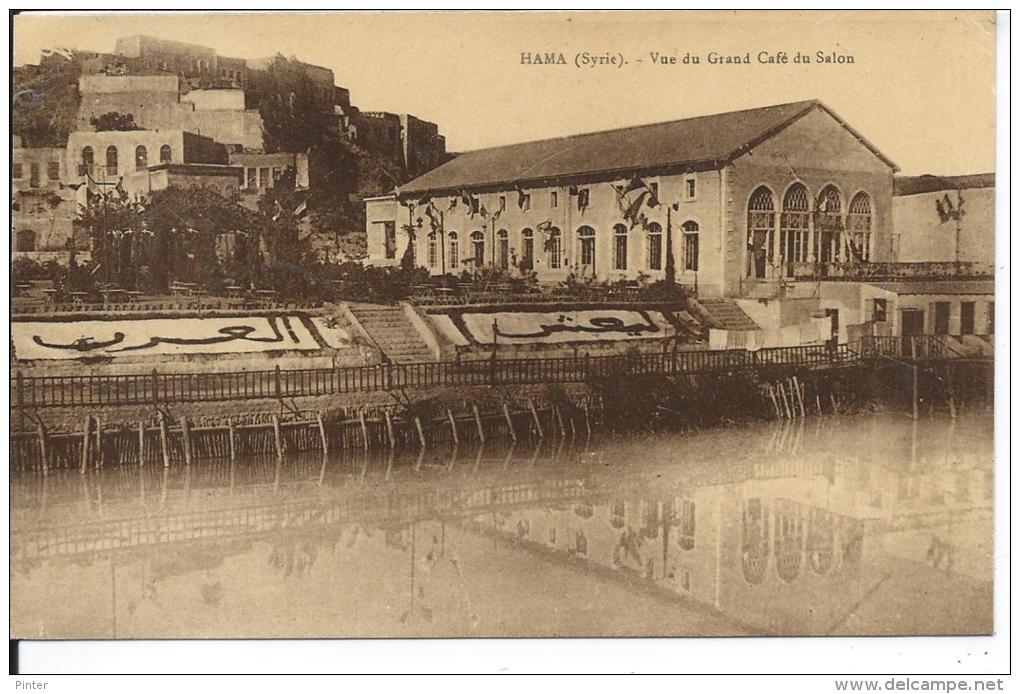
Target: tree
45,103
114,121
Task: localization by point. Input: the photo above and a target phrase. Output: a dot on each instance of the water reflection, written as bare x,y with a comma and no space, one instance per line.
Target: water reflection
857,526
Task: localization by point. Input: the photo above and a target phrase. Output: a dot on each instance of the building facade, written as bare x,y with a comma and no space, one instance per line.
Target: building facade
738,199
106,156
945,218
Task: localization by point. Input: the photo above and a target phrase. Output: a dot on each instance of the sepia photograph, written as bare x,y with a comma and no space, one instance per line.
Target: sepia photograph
477,324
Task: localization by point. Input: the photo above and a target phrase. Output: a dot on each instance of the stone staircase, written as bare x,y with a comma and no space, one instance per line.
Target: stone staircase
725,314
392,332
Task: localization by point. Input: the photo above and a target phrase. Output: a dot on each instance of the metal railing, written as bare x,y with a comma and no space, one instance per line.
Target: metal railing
155,388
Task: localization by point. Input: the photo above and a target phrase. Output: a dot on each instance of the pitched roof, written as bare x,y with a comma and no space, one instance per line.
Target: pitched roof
929,183
691,141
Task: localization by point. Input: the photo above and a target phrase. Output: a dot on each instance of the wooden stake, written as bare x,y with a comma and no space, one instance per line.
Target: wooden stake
509,423
230,441
913,356
278,436
559,416
818,403
478,422
99,442
186,435
800,395
86,442
534,414
43,456
421,433
453,427
587,420
163,443
775,402
364,427
389,430
141,442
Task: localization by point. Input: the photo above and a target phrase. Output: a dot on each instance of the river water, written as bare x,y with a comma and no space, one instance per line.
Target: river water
859,525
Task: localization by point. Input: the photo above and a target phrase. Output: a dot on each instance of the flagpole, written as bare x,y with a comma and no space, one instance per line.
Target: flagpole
442,245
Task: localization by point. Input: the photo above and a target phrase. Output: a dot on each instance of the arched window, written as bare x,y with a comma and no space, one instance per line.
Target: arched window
754,556
858,221
654,246
553,244
165,154
433,250
829,224
111,161
454,250
527,249
794,227
88,160
789,536
691,250
586,248
478,248
761,225
503,239
141,157
619,247
24,240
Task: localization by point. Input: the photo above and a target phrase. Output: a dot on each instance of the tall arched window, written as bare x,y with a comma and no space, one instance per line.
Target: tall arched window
478,248
111,161
503,239
691,249
527,249
829,224
553,244
858,221
141,157
654,246
761,225
794,227
586,248
454,250
88,160
24,240
433,251
789,536
754,556
619,247
165,154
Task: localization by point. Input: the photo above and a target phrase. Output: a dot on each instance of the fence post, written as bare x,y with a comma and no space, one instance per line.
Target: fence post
21,389
276,380
155,387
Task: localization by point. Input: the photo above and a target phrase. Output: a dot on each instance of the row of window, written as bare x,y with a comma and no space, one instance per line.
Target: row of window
553,247
834,232
583,195
35,172
112,158
256,177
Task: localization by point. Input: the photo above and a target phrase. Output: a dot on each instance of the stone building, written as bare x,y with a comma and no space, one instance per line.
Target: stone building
155,102
945,218
106,156
380,132
264,170
36,168
744,197
423,147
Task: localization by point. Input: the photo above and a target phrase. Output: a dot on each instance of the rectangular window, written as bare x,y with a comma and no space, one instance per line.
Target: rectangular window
264,177
554,199
941,317
251,176
655,251
654,187
966,317
525,201
16,171
879,311
502,203
527,253
34,174
690,187
390,239
53,170
583,198
277,173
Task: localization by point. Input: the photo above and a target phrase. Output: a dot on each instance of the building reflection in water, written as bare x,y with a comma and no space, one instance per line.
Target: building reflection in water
857,526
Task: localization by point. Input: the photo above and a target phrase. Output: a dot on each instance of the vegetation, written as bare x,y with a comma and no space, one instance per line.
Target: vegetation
46,102
114,121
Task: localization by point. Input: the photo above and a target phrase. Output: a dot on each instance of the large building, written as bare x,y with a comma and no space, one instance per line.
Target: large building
198,66
746,198
945,218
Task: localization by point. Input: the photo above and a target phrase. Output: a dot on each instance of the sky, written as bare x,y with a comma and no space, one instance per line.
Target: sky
921,87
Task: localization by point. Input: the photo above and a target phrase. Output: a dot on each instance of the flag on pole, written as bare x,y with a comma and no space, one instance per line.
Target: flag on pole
631,214
635,184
